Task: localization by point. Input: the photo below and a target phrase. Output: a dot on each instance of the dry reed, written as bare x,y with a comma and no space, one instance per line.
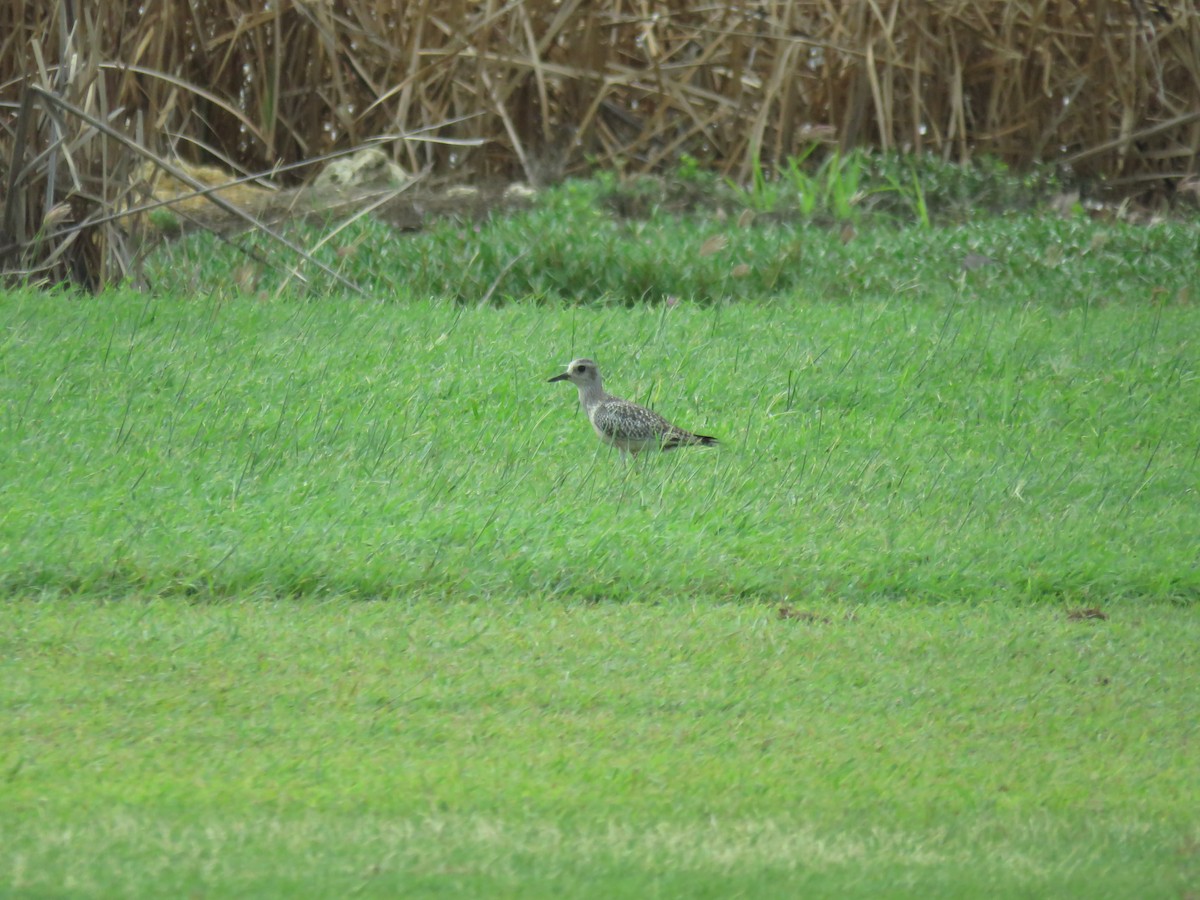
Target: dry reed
533,89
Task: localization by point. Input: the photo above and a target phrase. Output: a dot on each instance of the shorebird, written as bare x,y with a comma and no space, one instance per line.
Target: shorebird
621,424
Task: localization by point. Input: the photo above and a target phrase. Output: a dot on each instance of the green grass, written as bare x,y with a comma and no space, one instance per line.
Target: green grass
534,748
320,595
572,248
897,447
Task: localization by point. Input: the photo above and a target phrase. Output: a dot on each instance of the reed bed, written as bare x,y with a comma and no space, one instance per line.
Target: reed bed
535,89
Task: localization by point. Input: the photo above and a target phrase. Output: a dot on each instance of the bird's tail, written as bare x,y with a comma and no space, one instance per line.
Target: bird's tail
681,438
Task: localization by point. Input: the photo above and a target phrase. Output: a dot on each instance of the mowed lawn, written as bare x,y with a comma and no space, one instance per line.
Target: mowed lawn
895,449
328,596
525,747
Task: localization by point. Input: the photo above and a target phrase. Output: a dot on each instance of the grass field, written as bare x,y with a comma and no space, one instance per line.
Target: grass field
527,747
319,595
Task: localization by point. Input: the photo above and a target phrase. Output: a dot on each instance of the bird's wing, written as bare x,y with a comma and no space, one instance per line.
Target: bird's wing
620,418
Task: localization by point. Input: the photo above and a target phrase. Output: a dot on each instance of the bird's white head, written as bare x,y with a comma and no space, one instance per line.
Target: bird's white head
583,372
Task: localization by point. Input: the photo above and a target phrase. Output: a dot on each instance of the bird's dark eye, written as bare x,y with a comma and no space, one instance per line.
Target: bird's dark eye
581,369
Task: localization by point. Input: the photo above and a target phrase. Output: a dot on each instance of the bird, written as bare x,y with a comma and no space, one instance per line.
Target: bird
622,424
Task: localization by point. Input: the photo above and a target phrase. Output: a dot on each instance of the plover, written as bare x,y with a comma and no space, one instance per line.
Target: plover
624,425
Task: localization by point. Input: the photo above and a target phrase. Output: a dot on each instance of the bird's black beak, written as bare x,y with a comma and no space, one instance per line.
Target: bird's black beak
558,377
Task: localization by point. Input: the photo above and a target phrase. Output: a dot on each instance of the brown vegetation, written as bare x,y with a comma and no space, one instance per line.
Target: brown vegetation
533,89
